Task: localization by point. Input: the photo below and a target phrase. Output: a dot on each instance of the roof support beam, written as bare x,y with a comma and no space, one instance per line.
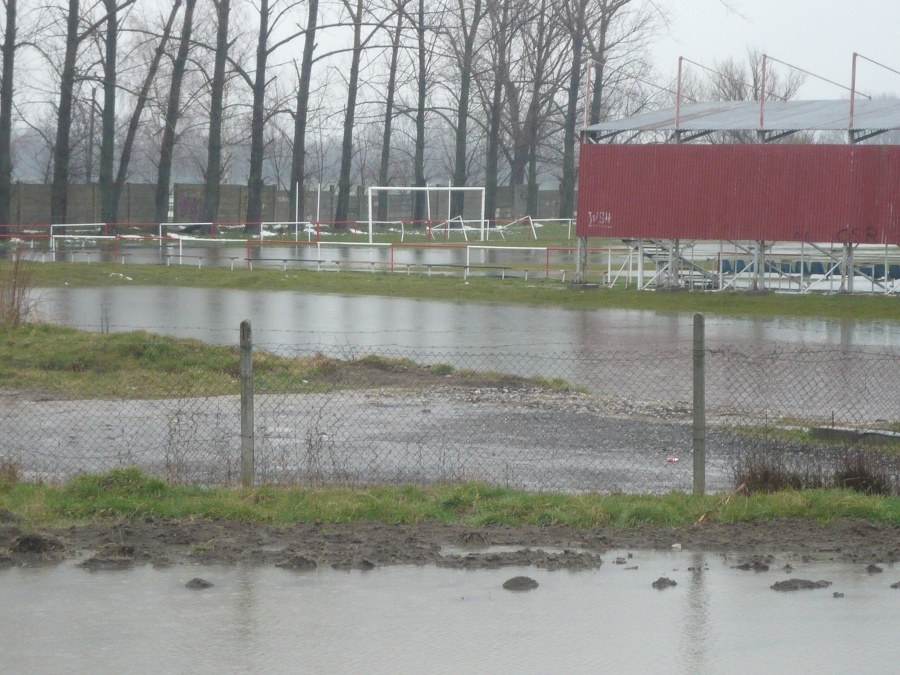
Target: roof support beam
680,136
857,135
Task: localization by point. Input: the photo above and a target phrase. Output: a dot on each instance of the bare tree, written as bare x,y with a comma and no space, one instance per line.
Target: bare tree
384,165
734,80
301,112
173,111
271,12
214,165
501,33
61,149
8,51
464,53
356,12
140,103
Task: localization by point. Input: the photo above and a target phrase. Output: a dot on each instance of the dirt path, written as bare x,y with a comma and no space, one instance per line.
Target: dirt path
367,545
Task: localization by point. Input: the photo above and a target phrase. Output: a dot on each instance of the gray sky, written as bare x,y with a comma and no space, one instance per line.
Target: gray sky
817,35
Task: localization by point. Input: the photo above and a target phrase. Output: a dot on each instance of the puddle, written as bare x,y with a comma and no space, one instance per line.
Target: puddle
429,619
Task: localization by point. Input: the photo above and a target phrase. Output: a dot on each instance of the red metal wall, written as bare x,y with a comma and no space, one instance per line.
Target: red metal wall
817,193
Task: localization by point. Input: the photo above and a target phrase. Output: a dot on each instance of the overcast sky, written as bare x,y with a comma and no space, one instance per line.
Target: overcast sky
817,35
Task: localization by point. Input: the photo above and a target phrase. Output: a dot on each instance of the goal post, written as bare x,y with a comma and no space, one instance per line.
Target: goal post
448,189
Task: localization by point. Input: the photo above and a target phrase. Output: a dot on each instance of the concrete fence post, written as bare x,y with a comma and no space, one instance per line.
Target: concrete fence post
247,437
699,405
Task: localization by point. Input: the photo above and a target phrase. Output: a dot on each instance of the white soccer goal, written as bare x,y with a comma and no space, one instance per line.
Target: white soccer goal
448,190
77,232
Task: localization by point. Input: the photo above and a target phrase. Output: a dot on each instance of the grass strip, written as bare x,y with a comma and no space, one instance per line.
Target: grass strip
66,362
535,292
127,493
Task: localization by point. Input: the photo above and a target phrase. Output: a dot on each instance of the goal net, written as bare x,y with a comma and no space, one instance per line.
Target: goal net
438,204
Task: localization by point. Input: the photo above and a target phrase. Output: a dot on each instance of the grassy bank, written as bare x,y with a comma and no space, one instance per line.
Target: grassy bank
128,493
538,293
66,362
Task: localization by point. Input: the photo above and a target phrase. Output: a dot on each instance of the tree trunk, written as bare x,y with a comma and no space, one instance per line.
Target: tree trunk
492,160
257,124
567,184
419,210
216,113
60,186
108,205
298,157
8,50
384,177
167,147
342,212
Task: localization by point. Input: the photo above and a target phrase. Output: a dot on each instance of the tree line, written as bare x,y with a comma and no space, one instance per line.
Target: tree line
297,93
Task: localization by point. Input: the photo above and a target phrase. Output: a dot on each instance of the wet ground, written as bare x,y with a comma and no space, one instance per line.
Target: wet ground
368,545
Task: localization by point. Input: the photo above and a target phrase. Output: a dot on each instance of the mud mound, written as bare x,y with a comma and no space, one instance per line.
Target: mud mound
37,544
520,584
798,585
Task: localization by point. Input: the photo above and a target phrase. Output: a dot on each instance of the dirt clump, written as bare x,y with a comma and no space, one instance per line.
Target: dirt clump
798,585
664,582
756,563
520,584
110,557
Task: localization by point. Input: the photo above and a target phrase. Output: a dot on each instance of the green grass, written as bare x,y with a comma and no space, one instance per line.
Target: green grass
127,493
69,363
535,292
800,433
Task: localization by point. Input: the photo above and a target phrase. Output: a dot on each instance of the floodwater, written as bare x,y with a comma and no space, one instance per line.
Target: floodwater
427,619
310,320
634,354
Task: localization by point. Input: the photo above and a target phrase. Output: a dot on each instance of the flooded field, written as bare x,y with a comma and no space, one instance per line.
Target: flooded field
429,619
311,320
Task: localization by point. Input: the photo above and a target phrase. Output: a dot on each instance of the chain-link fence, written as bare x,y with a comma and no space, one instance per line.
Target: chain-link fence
568,422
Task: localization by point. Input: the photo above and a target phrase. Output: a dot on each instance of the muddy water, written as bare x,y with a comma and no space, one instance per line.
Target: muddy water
427,619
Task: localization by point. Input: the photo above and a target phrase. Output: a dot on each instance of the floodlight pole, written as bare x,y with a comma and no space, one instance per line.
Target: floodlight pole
678,96
762,96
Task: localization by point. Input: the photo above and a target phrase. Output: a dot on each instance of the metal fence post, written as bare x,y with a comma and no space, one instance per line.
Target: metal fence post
247,439
699,405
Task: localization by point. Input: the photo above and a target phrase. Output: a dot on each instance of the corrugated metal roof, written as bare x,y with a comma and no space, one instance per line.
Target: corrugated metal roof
869,115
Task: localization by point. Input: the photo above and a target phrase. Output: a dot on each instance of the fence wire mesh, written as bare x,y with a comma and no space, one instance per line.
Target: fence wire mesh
615,422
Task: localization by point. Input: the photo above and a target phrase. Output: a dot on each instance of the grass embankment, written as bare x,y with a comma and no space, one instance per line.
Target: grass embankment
66,362
535,292
127,493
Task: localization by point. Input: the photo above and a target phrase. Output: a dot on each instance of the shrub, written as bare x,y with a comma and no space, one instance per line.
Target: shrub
860,472
17,302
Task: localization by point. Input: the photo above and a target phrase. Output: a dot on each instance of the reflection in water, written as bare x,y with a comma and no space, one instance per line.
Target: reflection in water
696,627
